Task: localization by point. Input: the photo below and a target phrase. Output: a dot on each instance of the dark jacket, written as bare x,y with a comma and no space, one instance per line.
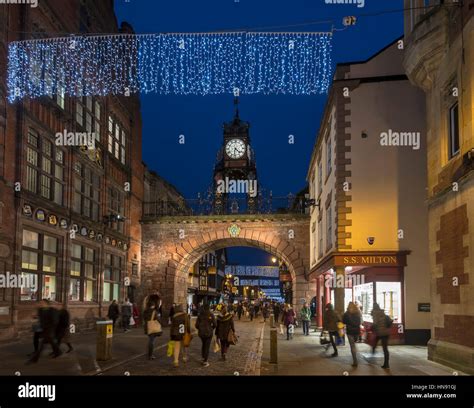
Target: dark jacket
289,317
205,324
63,324
379,325
113,312
331,319
180,324
148,314
127,309
352,322
224,325
48,318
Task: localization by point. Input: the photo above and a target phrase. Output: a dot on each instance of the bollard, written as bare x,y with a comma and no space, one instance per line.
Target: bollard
273,346
105,334
272,320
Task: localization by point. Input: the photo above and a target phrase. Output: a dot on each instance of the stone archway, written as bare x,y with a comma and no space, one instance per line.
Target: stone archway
172,245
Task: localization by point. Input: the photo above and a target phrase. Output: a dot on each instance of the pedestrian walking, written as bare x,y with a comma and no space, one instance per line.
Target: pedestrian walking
225,330
151,323
289,318
240,310
63,330
126,311
265,313
205,325
276,312
48,320
330,321
180,327
305,316
251,312
136,315
353,319
113,312
381,326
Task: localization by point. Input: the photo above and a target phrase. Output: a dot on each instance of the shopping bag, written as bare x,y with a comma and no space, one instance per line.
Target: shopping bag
324,339
215,345
132,321
187,339
170,351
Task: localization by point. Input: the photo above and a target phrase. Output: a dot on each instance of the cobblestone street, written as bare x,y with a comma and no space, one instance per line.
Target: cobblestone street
242,359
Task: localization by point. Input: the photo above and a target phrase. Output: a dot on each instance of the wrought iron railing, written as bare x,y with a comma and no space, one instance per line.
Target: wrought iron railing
290,204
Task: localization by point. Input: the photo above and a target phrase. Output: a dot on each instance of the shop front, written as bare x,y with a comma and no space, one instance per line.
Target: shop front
366,278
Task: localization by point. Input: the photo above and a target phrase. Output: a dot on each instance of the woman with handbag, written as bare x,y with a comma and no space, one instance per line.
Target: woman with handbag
205,324
180,333
225,331
353,319
330,321
151,323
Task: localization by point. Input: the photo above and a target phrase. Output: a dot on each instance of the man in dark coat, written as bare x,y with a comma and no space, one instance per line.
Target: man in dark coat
205,324
48,320
113,312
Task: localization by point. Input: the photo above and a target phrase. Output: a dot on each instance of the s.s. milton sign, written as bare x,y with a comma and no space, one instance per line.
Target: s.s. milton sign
370,260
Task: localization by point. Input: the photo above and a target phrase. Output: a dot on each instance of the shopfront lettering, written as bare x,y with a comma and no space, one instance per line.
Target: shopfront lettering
370,260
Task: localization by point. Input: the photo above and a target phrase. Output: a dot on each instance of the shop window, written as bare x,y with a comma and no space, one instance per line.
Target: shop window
364,294
113,273
389,299
83,283
39,264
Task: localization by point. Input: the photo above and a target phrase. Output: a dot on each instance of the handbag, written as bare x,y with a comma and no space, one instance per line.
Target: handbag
187,339
153,326
170,350
232,338
323,340
215,345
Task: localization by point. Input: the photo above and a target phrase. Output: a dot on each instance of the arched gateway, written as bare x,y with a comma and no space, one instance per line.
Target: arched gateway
172,245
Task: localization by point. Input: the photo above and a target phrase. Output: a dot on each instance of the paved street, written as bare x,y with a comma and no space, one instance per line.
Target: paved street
128,356
300,356
305,356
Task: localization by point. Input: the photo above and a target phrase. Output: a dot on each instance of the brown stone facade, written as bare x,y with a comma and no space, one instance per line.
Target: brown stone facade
451,255
171,246
45,117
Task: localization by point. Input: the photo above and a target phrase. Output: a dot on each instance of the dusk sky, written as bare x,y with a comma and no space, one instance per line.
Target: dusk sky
282,167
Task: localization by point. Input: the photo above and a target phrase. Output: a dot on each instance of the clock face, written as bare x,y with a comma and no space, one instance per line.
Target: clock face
235,149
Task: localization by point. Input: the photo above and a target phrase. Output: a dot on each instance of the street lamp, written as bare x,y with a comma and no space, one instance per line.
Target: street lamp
274,260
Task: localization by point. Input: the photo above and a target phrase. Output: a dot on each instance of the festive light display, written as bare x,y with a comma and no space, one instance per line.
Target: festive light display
200,64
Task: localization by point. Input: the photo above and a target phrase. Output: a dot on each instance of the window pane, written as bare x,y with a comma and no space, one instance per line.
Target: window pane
50,244
31,179
49,263
30,239
75,268
47,148
58,193
29,260
108,259
32,156
89,291
76,251
29,292
107,293
49,287
89,255
59,172
75,290
116,292
89,271
108,274
33,138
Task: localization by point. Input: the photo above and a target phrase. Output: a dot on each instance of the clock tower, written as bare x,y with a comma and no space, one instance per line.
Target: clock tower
235,171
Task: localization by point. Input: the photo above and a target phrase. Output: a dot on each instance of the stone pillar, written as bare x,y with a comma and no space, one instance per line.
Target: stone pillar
339,290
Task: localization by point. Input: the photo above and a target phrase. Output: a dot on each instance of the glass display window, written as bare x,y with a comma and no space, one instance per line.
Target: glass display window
364,294
389,298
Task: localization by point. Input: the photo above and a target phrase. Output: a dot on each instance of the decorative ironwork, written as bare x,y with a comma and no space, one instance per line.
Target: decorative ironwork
266,204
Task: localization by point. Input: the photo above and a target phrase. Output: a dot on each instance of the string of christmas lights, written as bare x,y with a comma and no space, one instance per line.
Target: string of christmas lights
181,64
